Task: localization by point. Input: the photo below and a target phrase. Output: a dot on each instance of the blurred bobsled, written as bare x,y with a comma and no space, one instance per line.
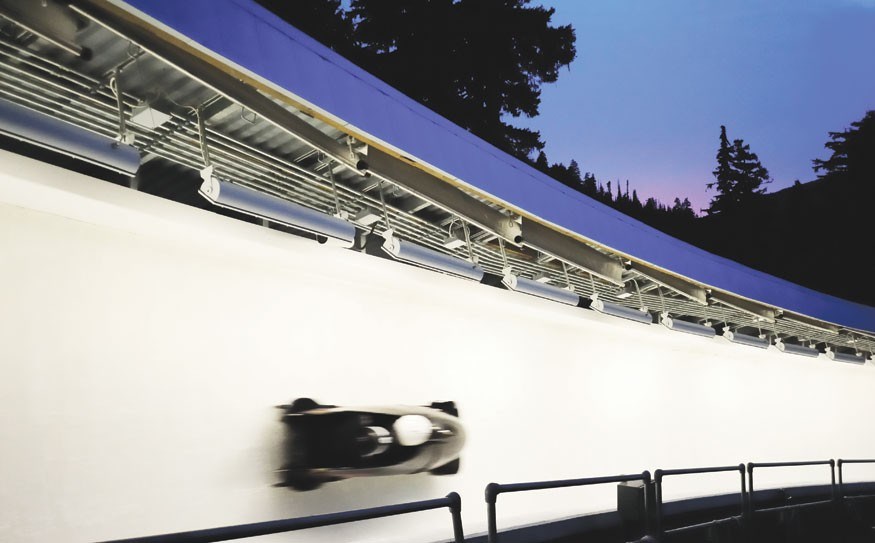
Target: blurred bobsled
329,443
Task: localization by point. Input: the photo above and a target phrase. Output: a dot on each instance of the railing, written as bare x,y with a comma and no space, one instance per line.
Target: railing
227,533
840,463
660,474
649,503
494,489
752,465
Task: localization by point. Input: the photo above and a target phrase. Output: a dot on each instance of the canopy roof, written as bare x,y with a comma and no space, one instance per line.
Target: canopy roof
259,42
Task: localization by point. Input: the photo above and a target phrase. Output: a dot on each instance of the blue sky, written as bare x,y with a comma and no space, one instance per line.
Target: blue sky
653,82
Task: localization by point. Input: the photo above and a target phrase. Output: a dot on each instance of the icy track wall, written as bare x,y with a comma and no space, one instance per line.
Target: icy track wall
145,345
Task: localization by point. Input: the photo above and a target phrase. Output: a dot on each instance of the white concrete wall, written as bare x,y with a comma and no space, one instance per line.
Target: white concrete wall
144,345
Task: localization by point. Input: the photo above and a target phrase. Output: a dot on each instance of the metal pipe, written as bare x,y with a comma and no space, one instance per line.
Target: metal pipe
242,531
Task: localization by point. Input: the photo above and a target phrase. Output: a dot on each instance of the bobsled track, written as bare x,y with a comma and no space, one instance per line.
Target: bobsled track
147,343
148,332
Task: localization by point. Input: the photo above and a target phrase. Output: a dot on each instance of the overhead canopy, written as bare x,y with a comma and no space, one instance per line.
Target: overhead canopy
260,43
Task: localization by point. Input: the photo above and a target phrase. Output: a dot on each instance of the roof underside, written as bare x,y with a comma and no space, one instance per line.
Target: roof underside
268,143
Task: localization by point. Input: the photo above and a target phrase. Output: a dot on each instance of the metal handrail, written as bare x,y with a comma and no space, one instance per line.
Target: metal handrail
660,474
227,533
752,465
841,462
494,489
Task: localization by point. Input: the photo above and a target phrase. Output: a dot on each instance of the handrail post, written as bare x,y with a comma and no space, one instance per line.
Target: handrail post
745,501
646,479
839,463
657,506
832,471
750,493
456,512
492,490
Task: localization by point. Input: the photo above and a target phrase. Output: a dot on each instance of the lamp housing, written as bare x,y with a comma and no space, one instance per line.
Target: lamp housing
265,206
541,290
411,253
621,311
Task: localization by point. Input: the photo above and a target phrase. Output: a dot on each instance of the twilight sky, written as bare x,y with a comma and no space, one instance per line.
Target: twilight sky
653,82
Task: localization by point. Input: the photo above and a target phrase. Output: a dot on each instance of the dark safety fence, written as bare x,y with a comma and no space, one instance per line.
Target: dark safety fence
838,511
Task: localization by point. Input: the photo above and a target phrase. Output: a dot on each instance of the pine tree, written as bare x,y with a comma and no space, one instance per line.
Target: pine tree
751,175
574,171
541,162
476,62
739,176
853,154
589,185
724,176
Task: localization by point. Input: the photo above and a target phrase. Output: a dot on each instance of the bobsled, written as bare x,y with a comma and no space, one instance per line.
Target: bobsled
326,443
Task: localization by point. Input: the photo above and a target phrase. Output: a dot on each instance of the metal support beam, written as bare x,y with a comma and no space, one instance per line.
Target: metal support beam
758,310
686,288
808,321
572,251
50,21
380,164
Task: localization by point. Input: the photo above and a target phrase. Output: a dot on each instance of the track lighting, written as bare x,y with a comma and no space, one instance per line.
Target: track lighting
541,277
411,253
147,116
744,339
621,311
265,206
791,348
367,216
50,133
845,357
453,241
542,290
686,326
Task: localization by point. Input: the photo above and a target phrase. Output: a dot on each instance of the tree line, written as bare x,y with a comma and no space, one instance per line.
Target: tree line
480,64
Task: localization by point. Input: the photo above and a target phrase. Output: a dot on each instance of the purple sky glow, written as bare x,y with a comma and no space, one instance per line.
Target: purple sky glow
654,81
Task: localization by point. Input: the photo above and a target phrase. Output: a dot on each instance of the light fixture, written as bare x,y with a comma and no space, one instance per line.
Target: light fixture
264,206
453,241
845,357
621,311
745,339
50,133
792,348
686,326
418,255
367,216
541,277
542,290
146,115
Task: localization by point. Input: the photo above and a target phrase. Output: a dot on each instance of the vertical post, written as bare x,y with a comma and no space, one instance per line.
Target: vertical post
841,481
645,476
832,473
202,137
746,521
657,506
491,497
120,104
456,512
750,496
